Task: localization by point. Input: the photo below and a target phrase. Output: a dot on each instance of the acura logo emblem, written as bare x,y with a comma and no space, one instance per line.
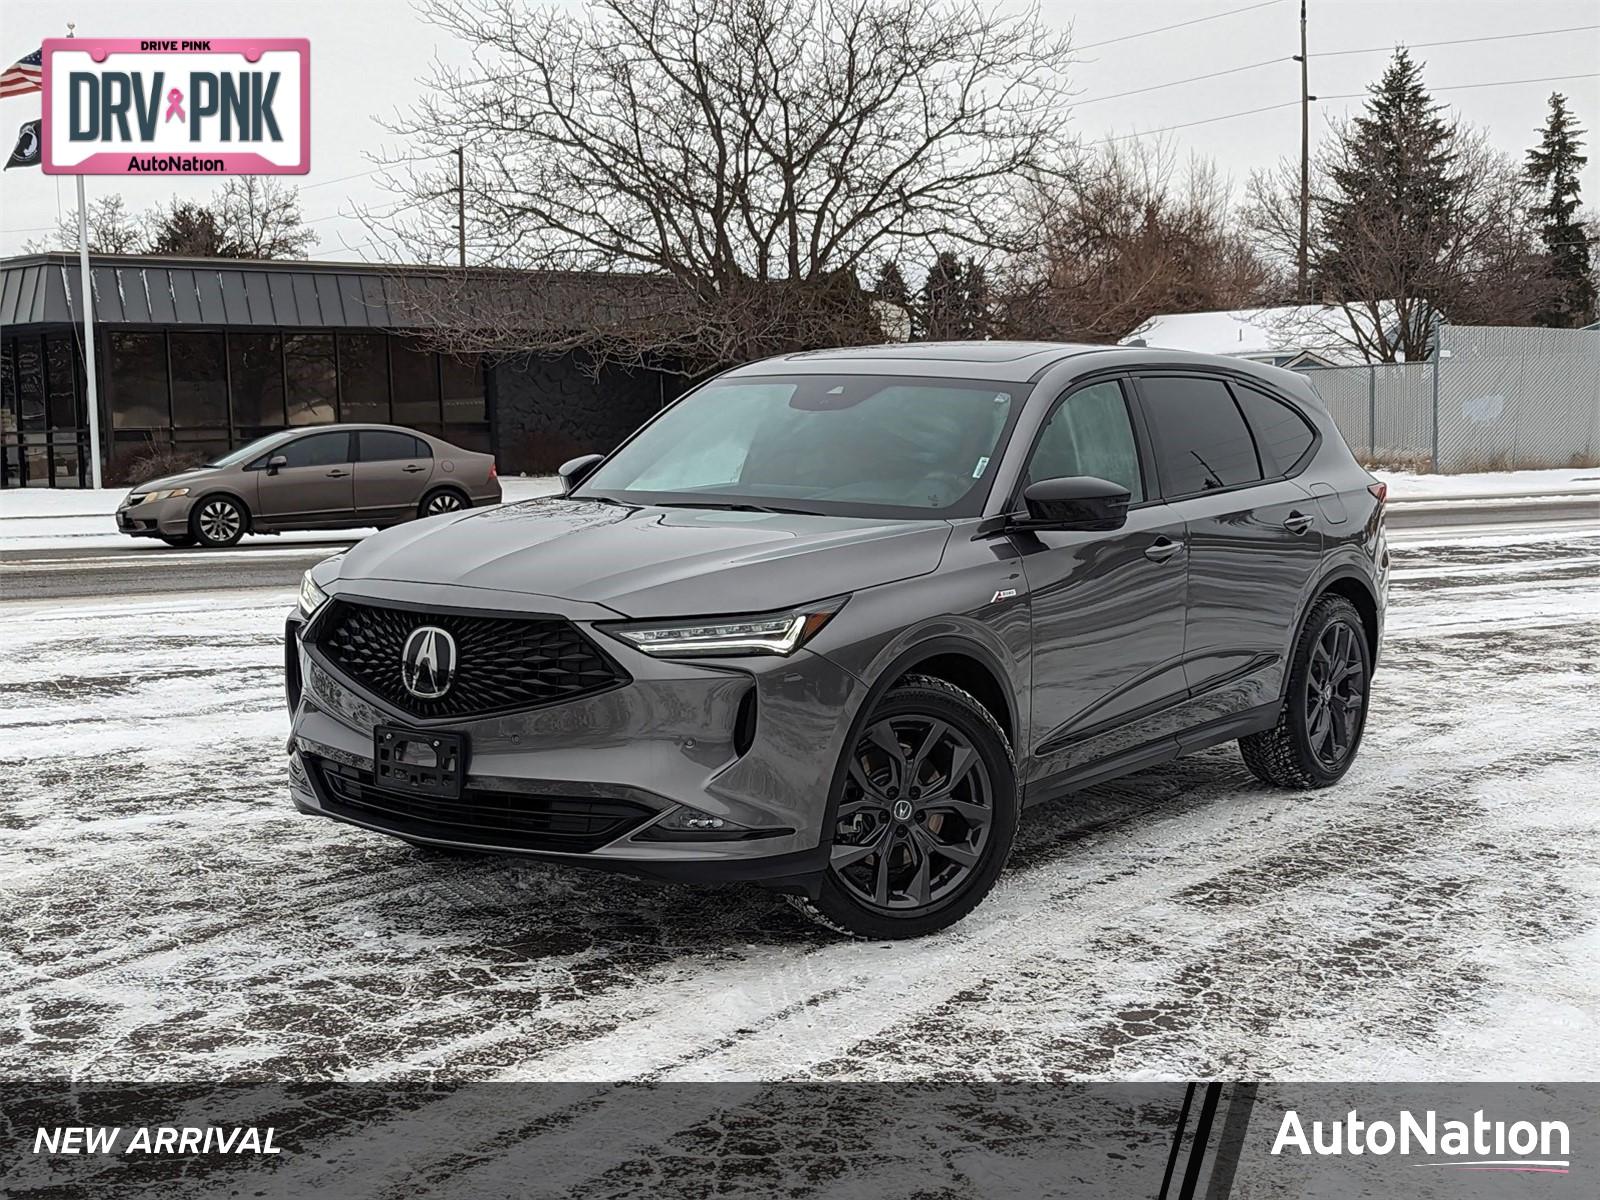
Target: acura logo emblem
428,662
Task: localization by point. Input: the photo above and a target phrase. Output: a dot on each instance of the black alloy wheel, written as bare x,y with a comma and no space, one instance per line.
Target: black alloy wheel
1325,710
926,814
1336,694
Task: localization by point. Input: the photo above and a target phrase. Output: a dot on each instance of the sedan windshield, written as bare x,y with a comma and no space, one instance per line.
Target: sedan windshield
249,449
870,446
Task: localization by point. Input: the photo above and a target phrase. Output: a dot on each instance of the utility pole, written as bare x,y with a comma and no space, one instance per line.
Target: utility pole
1305,161
461,205
86,306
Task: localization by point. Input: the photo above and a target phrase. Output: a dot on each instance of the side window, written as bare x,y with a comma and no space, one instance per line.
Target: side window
1282,434
1089,434
1201,441
380,445
318,450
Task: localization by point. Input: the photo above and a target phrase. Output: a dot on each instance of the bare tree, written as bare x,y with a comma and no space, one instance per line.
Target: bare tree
248,217
1129,233
260,218
753,158
112,229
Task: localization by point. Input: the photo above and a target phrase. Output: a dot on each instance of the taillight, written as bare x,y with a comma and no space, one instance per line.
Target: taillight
1380,492
493,474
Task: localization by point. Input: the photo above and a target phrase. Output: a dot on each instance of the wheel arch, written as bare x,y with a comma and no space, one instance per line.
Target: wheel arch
211,493
1349,583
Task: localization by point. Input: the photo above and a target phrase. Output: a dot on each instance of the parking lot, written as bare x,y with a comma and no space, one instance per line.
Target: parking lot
168,915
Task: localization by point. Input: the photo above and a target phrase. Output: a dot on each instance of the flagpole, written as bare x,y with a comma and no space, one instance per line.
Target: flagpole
86,291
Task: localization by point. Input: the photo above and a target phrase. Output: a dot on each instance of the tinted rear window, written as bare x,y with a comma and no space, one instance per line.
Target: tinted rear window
1201,441
1282,434
380,445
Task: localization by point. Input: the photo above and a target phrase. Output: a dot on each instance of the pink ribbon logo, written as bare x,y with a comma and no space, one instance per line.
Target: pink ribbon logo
175,105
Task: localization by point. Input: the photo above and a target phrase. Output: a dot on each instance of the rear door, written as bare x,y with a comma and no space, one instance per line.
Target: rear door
1106,607
315,486
1255,540
392,471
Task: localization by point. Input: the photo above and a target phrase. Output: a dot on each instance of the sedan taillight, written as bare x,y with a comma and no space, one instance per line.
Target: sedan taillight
1380,492
493,474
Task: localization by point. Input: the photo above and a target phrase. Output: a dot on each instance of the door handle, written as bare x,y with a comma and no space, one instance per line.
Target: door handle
336,473
1161,549
1297,522
412,470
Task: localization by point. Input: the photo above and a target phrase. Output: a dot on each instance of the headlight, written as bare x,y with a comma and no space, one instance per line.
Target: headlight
152,497
311,596
765,633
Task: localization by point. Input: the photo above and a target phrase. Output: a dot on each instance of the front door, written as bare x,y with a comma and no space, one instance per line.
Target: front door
1255,538
1107,607
392,471
315,484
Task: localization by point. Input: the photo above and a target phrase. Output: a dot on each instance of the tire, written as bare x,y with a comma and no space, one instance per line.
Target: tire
443,500
1330,682
218,521
909,860
181,541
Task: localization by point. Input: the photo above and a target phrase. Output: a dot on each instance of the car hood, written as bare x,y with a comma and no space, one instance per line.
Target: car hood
181,479
651,562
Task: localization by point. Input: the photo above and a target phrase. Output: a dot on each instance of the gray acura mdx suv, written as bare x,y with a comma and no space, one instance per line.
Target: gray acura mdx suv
832,620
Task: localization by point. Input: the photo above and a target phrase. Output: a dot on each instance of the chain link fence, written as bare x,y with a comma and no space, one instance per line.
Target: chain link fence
1494,399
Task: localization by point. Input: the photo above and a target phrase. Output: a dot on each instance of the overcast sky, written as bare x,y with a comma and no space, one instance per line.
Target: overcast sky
368,54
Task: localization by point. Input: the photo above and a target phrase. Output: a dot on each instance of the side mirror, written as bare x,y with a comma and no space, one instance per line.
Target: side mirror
575,470
1074,502
277,463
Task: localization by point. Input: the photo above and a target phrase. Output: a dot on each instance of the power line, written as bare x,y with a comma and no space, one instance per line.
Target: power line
1459,87
1156,87
1498,37
1128,37
1122,137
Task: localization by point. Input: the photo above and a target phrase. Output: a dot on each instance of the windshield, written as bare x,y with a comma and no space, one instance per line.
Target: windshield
249,450
865,445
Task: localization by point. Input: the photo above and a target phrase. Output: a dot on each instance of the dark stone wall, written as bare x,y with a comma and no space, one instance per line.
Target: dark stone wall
547,410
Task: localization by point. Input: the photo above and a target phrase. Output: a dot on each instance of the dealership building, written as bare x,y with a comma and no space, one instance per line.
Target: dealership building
198,356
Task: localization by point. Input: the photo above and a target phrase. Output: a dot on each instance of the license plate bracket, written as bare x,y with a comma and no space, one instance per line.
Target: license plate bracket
419,762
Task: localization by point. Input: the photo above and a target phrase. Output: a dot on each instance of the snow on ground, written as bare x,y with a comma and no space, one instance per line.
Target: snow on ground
82,518
1565,481
167,914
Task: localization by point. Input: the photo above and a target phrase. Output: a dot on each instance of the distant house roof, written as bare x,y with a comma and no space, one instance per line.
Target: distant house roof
157,290
1288,336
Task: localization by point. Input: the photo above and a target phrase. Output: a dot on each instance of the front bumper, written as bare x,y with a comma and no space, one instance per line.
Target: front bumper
586,780
160,518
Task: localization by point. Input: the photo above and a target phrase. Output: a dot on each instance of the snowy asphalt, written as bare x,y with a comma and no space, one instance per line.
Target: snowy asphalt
167,915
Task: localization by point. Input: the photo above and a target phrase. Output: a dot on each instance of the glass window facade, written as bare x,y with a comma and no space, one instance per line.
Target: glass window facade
311,378
363,377
202,392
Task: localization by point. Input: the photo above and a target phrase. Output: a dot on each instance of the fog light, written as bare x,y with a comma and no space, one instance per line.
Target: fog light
691,819
685,824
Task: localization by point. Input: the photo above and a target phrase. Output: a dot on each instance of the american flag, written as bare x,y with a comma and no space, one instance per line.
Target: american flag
23,76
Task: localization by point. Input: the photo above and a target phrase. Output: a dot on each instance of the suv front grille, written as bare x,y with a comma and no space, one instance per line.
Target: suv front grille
573,824
502,663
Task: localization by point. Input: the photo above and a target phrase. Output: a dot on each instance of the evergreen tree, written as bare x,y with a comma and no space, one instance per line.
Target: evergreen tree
1553,169
1394,193
891,285
954,301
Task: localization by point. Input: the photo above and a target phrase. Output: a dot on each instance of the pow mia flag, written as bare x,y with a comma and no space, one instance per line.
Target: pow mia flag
26,153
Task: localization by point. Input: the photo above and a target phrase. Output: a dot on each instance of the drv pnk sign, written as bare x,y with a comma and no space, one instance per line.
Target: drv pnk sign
169,106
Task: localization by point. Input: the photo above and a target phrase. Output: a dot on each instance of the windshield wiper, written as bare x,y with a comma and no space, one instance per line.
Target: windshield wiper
729,506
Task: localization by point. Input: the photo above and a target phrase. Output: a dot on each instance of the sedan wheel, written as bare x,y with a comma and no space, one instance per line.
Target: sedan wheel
217,521
445,500
927,809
